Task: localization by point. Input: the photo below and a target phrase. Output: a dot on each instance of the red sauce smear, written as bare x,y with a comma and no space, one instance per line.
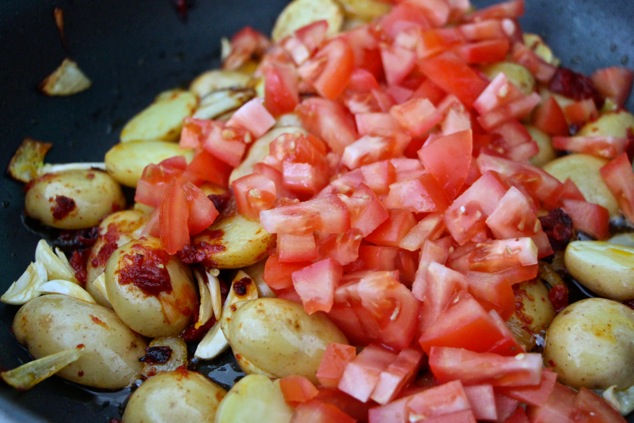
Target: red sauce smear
78,262
240,287
574,85
63,206
558,296
558,227
146,269
111,237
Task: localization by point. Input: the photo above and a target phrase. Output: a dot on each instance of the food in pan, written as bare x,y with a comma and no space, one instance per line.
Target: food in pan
380,210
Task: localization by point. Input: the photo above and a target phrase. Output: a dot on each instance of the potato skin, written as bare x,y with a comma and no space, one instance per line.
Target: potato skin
280,338
150,301
52,323
589,344
176,396
73,199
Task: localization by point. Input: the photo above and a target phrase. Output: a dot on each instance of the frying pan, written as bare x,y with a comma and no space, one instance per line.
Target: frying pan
132,50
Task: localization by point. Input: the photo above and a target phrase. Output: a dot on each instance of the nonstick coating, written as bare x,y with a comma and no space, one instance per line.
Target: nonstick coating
133,49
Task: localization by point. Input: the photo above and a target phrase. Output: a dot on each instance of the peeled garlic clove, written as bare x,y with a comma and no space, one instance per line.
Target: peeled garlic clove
26,287
68,288
56,263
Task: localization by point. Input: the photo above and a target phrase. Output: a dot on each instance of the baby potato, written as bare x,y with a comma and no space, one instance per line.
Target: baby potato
151,291
115,230
53,323
176,396
605,268
533,312
546,151
233,241
126,161
254,399
279,337
589,344
73,199
299,13
583,170
161,120
614,124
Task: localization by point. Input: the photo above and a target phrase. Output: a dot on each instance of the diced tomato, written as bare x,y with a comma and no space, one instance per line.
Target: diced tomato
497,255
392,306
482,400
333,363
597,145
397,375
281,94
507,9
367,366
316,284
488,29
448,399
493,291
375,257
619,177
225,143
614,82
514,217
417,116
465,324
516,109
592,408
253,117
506,406
304,179
402,17
432,252
202,211
581,111
448,159
482,52
453,75
327,214
443,288
343,248
316,411
590,218
525,56
421,195
329,121
330,68
278,275
245,44
518,416
533,395
155,178
550,118
294,248
174,213
371,149
398,62
466,216
429,227
444,403
207,167
297,389
559,407
367,212
474,368
392,231
253,193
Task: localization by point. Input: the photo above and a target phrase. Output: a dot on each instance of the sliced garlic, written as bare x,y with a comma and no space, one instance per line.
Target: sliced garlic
622,400
30,374
217,79
27,161
242,289
220,102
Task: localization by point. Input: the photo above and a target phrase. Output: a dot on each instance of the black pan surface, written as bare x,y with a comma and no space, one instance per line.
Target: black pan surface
133,49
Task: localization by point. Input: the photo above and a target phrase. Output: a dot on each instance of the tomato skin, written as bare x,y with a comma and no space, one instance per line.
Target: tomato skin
278,274
254,193
391,232
281,94
590,218
614,82
329,121
533,395
316,411
297,389
550,118
174,233
397,375
253,117
367,366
